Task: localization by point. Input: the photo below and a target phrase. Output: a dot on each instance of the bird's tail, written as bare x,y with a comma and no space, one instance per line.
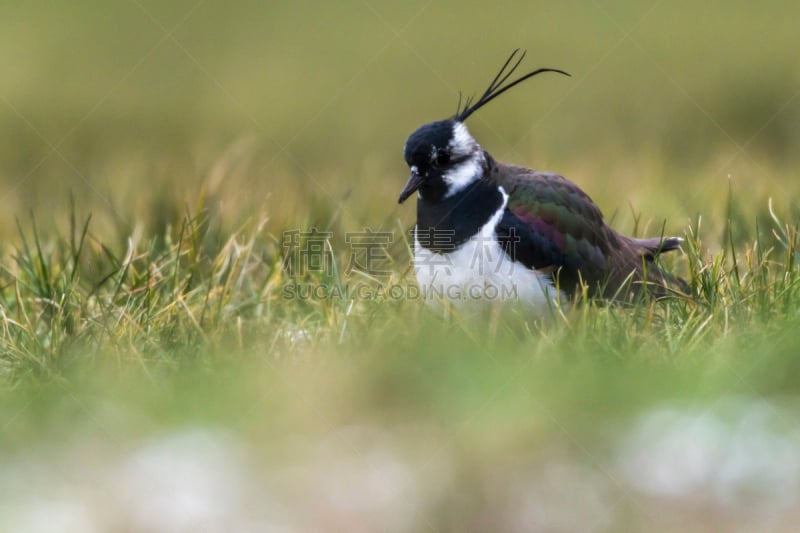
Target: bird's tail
652,247
648,250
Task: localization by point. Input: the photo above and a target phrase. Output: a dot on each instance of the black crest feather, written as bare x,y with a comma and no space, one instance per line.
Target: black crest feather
496,88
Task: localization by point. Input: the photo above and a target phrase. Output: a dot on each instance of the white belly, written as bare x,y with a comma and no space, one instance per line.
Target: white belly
479,270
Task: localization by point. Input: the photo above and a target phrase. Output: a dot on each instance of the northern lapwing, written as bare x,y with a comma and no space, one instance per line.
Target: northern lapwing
488,230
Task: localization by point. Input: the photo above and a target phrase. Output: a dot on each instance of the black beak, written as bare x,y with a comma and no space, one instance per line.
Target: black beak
414,183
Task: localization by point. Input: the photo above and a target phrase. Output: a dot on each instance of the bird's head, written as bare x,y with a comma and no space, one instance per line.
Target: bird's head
443,156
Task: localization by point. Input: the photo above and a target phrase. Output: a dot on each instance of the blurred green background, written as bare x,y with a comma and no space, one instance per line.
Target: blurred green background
307,418
287,107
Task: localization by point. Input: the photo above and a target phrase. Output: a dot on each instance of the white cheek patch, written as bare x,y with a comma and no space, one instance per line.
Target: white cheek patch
462,142
461,175
462,145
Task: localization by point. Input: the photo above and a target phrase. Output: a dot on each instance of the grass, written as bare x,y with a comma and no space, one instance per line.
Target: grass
73,299
103,351
156,340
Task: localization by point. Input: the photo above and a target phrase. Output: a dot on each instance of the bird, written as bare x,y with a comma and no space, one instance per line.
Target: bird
487,230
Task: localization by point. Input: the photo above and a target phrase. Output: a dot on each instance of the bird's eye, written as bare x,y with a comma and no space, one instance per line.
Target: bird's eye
442,158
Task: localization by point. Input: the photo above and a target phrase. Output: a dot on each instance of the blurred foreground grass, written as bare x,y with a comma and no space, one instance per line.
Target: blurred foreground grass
155,376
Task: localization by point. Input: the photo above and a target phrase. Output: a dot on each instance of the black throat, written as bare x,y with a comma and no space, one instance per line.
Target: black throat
444,224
